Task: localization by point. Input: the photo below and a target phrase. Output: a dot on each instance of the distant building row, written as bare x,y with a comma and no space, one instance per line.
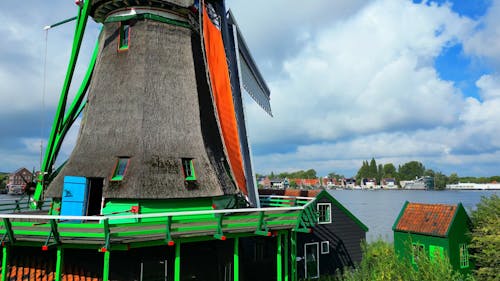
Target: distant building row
349,183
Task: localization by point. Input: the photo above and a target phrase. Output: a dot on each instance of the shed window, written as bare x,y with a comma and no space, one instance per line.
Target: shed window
436,252
188,169
324,213
120,168
418,251
325,247
124,36
464,256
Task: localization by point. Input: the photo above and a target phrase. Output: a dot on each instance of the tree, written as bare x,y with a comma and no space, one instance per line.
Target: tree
389,170
485,243
453,178
411,170
440,180
380,172
373,169
364,171
429,173
334,175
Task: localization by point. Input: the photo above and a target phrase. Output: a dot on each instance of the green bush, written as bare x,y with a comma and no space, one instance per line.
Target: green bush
380,263
485,244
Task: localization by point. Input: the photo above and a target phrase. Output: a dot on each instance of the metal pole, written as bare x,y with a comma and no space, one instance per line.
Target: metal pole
236,259
279,260
5,256
293,245
177,265
59,263
286,256
105,273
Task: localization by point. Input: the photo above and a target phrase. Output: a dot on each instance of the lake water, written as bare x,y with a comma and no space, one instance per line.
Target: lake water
378,209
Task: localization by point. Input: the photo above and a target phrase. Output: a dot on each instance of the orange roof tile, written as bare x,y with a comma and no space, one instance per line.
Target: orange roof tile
431,219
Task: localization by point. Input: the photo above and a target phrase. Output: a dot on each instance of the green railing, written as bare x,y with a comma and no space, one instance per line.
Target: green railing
116,232
283,201
16,205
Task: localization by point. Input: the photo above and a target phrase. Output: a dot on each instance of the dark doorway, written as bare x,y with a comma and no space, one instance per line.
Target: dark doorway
94,196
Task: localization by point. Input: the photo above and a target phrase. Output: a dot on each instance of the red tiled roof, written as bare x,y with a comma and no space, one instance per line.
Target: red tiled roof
431,219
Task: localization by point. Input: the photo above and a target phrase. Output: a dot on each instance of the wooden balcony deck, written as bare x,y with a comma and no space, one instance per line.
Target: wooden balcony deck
126,231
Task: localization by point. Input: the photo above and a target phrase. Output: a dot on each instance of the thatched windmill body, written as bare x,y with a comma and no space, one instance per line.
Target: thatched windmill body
163,114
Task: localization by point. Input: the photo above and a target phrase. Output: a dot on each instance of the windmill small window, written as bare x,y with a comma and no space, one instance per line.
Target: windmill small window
124,36
188,169
120,169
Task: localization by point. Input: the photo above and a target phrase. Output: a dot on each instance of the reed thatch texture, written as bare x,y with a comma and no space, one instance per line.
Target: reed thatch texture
152,104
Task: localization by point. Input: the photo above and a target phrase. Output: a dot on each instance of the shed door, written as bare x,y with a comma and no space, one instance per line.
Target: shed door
74,196
311,263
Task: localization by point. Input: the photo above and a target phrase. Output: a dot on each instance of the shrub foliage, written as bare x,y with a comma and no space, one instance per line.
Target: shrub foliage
485,243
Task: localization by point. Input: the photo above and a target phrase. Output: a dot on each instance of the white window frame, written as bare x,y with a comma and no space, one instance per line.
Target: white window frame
329,206
327,243
317,262
464,255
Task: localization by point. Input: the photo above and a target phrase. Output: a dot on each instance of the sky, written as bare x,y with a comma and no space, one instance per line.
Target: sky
350,80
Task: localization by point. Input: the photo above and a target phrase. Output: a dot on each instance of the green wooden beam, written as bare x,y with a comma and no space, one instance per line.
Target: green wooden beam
168,236
107,236
5,258
236,259
51,150
60,23
9,232
177,263
293,256
59,263
279,259
262,228
218,233
286,255
105,271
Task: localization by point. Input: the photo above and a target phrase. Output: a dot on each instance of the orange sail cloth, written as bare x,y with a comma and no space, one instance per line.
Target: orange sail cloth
221,88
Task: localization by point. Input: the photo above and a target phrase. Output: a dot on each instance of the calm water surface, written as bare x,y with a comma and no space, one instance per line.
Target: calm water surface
378,209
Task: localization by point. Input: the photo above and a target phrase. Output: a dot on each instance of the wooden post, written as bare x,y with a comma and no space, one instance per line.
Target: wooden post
5,270
105,274
286,256
177,265
236,260
293,245
279,259
59,263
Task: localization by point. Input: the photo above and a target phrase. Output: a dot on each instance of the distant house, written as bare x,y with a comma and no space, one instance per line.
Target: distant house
307,183
369,183
349,182
436,230
388,183
279,183
265,182
334,243
330,182
18,180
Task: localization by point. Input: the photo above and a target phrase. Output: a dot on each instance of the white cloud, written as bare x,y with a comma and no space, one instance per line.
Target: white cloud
367,87
370,73
485,43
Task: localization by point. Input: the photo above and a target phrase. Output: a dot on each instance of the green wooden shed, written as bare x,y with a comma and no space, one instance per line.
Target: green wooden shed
437,230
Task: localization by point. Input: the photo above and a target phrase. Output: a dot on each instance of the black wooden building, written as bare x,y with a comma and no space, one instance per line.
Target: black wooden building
334,243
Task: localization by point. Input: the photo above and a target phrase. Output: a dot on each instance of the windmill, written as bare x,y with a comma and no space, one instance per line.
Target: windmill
162,106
